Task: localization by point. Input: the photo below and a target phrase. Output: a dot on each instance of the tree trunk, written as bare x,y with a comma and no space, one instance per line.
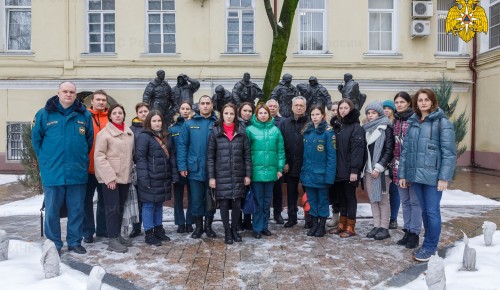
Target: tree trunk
281,37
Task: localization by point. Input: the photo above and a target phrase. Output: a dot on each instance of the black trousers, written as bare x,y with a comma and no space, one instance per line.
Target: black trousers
346,194
292,188
278,196
114,201
225,205
334,199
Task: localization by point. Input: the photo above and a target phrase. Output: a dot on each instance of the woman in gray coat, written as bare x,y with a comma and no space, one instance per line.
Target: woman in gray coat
427,162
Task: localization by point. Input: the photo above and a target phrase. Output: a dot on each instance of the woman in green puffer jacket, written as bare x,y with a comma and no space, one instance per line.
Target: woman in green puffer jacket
268,159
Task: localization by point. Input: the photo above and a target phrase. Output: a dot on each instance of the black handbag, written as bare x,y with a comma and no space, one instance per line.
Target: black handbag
211,202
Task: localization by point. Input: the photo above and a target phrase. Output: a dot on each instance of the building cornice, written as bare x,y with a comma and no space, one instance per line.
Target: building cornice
210,84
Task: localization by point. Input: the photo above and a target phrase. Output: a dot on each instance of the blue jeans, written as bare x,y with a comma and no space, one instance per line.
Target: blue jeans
179,217
318,200
394,200
262,194
199,194
89,228
152,214
412,214
54,198
429,198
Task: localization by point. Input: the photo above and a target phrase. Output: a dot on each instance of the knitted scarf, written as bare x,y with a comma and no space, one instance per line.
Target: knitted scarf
375,133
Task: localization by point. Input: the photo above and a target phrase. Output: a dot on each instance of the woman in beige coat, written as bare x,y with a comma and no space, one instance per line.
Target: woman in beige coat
113,167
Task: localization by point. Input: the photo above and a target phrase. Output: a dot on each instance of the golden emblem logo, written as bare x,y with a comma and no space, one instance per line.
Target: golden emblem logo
320,148
465,19
81,130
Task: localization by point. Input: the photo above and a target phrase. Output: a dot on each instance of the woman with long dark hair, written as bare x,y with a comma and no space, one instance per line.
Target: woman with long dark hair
412,214
350,139
427,164
229,168
156,170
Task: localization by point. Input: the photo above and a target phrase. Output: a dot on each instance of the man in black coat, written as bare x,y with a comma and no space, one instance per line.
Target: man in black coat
159,95
294,153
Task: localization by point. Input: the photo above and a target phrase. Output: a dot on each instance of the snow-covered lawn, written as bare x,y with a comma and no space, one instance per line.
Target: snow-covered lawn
8,178
23,271
487,275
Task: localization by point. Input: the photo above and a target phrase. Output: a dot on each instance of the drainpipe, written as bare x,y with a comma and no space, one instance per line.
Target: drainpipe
275,11
472,67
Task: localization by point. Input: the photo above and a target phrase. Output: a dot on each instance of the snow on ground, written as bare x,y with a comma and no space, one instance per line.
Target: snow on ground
28,206
23,271
8,178
487,264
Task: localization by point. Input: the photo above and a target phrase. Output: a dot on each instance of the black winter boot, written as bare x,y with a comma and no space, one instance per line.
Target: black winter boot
404,239
198,231
136,230
160,233
228,238
208,227
292,220
314,226
321,231
234,233
413,240
308,221
189,228
151,239
247,222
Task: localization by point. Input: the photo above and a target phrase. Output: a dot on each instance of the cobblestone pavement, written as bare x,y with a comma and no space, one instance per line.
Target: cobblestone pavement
287,260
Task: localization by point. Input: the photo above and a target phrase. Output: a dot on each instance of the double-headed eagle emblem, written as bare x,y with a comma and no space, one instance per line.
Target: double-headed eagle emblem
465,19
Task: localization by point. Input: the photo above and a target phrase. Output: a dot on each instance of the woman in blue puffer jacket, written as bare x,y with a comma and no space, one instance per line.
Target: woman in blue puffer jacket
318,169
428,161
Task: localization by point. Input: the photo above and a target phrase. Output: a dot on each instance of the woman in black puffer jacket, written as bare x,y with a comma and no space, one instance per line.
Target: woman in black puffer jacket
229,168
350,145
156,170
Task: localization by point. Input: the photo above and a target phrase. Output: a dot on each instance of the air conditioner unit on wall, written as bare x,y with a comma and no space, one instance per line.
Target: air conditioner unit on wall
422,9
420,28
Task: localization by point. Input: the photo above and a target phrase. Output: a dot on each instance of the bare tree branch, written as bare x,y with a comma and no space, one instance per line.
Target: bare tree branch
270,16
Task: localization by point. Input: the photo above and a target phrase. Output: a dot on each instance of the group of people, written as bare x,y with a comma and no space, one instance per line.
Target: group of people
237,149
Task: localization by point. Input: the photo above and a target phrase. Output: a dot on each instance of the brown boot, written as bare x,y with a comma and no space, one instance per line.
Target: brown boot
341,227
349,231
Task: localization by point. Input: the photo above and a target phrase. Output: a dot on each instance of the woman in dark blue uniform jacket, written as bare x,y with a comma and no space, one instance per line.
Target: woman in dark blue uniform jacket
318,169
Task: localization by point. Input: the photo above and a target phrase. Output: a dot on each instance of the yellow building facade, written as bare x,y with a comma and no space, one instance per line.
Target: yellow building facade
387,45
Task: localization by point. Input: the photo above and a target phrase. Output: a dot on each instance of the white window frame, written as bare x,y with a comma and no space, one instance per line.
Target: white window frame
487,8
324,29
102,23
395,28
162,33
4,33
239,10
442,14
10,156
